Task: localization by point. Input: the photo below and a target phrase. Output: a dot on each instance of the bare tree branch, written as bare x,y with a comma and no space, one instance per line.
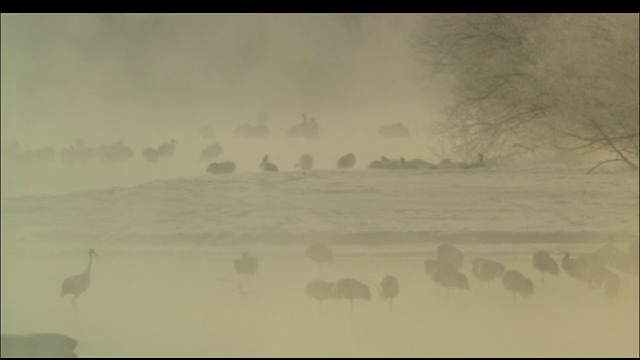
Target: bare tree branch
545,79
601,163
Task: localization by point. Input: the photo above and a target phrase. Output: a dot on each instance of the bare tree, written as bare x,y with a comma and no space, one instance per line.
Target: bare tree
527,82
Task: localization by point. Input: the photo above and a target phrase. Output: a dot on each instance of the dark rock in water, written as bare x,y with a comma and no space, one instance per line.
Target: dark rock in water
38,346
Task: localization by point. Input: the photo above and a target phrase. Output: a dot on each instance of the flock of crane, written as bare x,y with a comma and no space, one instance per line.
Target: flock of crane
348,161
444,270
598,269
305,163
118,152
308,128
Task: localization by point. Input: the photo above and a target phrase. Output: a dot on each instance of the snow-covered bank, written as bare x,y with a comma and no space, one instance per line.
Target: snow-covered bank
165,285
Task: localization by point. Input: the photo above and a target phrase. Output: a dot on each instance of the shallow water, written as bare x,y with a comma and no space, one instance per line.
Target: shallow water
164,284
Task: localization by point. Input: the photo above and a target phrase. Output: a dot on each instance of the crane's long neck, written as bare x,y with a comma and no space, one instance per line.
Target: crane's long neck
88,269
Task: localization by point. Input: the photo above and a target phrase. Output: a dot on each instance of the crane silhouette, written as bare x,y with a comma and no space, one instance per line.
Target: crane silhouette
487,270
246,265
447,276
321,290
515,282
389,289
266,165
321,254
543,261
78,284
352,289
451,254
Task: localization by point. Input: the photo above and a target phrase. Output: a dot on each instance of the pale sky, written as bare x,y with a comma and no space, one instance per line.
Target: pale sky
111,77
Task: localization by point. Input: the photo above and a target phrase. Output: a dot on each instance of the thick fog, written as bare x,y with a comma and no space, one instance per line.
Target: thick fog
111,125
147,79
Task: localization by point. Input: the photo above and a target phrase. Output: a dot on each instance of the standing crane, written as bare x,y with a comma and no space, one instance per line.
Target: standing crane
352,289
543,261
246,265
321,254
389,289
321,290
487,270
78,284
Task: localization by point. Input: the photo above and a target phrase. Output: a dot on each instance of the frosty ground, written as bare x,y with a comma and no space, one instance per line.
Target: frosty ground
165,285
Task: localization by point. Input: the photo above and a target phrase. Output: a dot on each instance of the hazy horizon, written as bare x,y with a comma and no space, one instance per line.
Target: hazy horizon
110,77
160,233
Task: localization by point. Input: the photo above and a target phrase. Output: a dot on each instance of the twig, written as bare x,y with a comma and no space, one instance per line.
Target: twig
603,162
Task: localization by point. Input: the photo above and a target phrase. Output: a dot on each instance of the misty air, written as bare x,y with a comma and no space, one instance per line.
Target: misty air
333,185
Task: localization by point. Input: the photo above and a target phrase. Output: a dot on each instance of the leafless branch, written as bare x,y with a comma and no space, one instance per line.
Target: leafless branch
603,162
